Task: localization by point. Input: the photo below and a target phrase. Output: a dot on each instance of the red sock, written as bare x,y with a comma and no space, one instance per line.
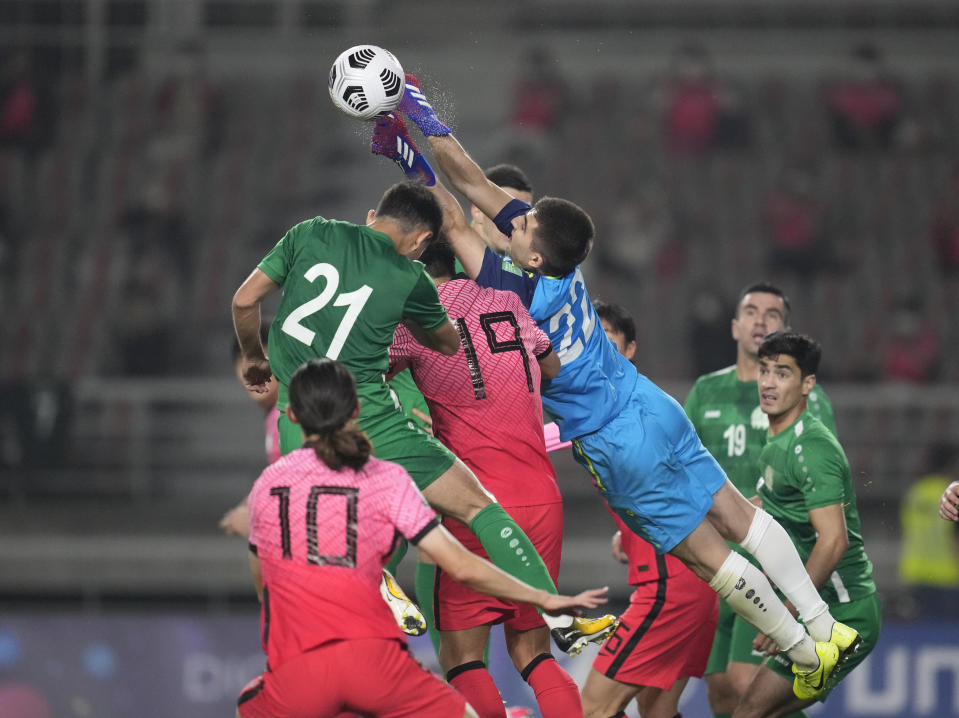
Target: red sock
476,684
556,693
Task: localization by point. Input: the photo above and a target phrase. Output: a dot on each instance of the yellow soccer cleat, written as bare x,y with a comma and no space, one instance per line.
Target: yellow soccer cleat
574,637
809,684
847,640
406,613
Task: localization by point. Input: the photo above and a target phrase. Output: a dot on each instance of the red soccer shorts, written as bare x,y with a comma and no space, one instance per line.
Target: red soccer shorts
457,607
665,634
376,676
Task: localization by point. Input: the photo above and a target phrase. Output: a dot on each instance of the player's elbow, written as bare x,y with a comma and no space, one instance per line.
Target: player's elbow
446,340
244,300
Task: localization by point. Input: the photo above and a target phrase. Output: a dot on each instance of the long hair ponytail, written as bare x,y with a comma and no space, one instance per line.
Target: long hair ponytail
323,398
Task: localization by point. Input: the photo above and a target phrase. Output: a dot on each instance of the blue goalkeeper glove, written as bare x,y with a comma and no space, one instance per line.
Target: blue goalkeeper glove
415,106
392,140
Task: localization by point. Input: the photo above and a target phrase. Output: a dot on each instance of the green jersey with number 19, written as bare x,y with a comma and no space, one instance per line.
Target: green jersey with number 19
725,412
345,289
805,468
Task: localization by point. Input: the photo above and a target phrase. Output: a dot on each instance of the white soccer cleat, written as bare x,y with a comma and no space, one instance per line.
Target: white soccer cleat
406,613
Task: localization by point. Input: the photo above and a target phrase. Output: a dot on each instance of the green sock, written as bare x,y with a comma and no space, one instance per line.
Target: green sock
397,556
423,585
509,548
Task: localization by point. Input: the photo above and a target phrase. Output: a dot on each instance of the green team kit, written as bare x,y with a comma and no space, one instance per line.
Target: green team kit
345,289
804,468
725,412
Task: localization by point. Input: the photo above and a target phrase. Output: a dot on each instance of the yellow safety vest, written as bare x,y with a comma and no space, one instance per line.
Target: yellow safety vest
930,556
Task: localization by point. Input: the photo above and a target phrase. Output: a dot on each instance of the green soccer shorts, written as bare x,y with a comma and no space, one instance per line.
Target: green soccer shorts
394,437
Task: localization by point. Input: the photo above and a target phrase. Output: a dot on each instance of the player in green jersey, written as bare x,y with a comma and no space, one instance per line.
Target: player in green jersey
345,288
724,408
806,485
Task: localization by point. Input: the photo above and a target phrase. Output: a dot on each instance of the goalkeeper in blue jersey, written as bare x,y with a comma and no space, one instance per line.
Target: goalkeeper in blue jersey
641,450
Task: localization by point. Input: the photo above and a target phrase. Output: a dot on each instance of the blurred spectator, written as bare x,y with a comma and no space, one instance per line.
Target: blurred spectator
865,104
701,113
793,219
641,234
151,300
912,350
187,105
541,94
708,329
929,561
945,226
25,117
540,101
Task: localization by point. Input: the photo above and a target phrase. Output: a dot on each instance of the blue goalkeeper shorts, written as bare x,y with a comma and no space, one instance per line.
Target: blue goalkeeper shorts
651,467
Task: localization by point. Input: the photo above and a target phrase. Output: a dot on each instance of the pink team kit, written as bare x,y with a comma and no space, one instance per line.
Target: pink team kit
322,538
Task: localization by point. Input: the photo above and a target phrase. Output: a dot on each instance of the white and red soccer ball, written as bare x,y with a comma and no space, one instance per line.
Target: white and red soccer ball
366,81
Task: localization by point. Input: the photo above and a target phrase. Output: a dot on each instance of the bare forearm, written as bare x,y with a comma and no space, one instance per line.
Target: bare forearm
467,176
246,322
823,560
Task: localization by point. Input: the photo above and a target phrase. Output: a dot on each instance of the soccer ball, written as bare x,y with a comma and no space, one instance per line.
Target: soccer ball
366,81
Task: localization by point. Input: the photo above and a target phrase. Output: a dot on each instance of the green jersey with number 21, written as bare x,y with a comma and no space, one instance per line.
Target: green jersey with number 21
732,427
345,289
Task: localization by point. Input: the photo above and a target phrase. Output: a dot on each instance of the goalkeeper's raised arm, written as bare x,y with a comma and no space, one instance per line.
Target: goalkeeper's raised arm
391,139
460,169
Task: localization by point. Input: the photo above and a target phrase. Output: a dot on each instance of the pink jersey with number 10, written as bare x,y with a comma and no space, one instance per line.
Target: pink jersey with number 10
323,537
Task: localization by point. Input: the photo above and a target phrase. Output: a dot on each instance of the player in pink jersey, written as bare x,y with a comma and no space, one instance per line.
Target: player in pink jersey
665,635
482,399
323,520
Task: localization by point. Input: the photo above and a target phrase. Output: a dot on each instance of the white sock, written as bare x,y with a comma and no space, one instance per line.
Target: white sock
770,544
748,593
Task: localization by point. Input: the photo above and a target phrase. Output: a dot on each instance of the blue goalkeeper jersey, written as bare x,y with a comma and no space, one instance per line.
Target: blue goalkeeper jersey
595,380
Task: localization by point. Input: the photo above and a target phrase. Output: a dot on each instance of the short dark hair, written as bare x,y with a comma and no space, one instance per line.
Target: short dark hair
323,399
563,237
413,205
804,349
509,176
439,259
764,287
618,316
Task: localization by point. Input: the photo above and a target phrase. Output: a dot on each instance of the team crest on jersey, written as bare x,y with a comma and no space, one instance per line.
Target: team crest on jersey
758,419
508,266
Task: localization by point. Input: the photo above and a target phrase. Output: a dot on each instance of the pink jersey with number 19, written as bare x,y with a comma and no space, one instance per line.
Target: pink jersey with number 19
323,537
485,399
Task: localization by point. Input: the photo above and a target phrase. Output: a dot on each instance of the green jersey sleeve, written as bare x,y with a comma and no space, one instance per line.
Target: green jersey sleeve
423,304
691,407
276,265
819,472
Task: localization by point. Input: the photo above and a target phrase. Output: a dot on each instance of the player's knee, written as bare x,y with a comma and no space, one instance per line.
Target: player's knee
720,693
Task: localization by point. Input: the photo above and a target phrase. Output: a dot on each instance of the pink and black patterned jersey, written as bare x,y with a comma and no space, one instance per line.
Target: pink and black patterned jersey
485,400
323,537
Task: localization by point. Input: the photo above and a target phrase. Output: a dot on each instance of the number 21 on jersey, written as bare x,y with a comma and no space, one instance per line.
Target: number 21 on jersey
354,301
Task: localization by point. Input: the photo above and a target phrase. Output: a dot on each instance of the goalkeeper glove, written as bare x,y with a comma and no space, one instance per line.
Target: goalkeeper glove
415,106
392,140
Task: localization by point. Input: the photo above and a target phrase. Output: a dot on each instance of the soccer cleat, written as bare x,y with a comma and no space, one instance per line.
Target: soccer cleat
406,613
809,684
846,639
581,631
